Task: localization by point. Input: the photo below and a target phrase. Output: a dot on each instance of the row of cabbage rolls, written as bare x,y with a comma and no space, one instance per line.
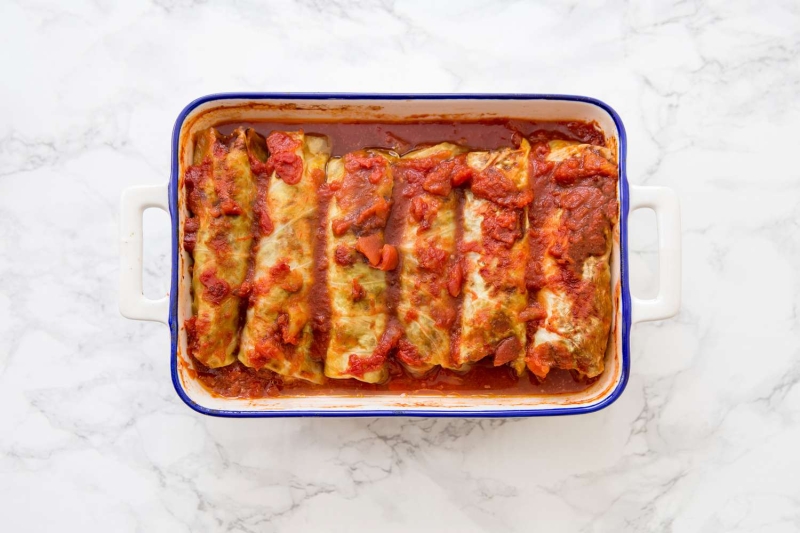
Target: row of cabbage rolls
501,253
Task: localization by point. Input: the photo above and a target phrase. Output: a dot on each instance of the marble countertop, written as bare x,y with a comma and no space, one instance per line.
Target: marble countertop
706,436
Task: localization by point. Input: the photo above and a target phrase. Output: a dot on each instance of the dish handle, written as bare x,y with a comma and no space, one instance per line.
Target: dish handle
665,203
132,302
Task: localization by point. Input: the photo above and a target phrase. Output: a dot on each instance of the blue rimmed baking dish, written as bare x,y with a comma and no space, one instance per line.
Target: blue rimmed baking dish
253,107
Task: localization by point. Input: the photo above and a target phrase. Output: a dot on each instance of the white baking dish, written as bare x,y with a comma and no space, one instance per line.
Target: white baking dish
215,109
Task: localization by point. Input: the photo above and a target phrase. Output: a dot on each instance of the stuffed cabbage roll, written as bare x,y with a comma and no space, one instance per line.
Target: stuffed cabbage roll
361,184
571,223
494,256
278,332
220,190
430,274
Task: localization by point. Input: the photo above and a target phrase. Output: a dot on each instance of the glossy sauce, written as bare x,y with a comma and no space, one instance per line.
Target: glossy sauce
402,137
237,380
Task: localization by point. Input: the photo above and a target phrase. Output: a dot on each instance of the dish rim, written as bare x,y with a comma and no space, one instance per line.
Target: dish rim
625,296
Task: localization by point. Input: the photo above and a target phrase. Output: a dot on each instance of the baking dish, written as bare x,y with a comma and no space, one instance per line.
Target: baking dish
224,108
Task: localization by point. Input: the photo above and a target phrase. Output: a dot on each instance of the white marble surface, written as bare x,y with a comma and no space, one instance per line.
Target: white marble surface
92,435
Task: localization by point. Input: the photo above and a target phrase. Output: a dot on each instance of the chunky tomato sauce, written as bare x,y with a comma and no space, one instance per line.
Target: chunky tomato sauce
432,178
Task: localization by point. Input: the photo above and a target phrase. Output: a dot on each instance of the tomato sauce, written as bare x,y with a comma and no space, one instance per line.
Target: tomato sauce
402,137
319,300
237,380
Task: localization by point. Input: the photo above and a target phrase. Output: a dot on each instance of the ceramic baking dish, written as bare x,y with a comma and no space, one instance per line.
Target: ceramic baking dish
221,108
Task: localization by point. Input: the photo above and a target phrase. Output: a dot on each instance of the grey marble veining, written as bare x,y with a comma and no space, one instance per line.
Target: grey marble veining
706,437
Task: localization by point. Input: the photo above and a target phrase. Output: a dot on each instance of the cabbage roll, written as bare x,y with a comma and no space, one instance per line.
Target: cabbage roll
278,332
358,258
495,252
430,274
571,222
220,189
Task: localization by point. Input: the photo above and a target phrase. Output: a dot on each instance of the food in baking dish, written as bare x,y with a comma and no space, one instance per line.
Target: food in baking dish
220,192
358,257
430,274
361,262
569,224
277,333
494,251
